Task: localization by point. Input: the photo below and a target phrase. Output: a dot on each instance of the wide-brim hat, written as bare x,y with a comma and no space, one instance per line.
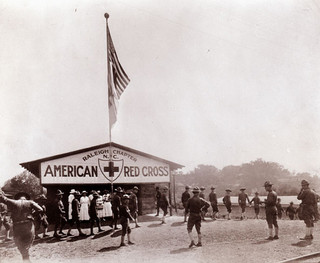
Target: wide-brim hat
212,188
17,196
165,188
136,188
202,188
125,196
59,192
304,182
119,190
196,190
242,188
42,197
228,190
256,193
77,193
267,183
187,187
84,192
72,191
94,193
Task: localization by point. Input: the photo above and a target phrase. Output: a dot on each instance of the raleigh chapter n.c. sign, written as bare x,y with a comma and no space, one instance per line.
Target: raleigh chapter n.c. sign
96,167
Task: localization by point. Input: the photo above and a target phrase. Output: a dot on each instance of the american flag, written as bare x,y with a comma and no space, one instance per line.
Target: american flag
117,80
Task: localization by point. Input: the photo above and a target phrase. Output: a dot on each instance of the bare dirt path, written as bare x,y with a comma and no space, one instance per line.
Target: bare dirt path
223,241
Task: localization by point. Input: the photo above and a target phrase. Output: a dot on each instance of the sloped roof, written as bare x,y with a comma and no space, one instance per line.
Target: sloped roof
34,166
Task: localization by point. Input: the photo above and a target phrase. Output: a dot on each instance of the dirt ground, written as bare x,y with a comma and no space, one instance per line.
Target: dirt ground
223,241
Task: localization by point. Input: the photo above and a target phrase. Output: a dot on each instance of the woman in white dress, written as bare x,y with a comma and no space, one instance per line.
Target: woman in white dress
99,205
70,198
84,207
106,211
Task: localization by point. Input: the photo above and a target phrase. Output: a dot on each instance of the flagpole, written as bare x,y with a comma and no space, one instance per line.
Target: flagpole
106,15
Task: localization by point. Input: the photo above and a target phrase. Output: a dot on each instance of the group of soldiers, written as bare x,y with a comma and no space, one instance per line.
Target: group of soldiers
196,207
28,216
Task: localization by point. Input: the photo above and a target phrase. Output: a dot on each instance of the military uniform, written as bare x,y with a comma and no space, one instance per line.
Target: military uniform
256,204
184,199
195,205
75,214
308,201
214,203
164,203
23,225
93,213
4,221
116,202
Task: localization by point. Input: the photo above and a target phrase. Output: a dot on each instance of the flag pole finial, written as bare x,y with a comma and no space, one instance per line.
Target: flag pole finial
106,15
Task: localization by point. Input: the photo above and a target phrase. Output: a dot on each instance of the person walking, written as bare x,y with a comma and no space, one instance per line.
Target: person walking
164,204
308,200
184,199
59,215
4,221
291,211
227,202
133,205
157,197
125,217
75,214
23,222
116,203
195,205
271,211
256,204
41,218
279,208
242,201
203,196
93,213
214,202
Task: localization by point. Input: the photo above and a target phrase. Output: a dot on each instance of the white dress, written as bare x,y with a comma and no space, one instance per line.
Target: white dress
84,208
106,211
99,206
70,198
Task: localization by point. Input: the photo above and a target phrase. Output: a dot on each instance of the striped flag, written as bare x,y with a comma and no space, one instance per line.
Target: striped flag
117,80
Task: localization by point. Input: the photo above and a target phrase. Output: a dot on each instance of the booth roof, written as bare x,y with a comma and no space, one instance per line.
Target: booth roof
34,166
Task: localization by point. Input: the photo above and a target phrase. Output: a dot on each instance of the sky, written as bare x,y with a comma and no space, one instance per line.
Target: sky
212,82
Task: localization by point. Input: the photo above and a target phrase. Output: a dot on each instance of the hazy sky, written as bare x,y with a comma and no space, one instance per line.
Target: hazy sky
212,82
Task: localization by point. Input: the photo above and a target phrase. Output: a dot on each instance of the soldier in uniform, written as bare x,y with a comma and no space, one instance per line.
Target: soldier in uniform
271,211
195,205
116,202
4,221
93,213
75,215
203,196
41,217
308,199
227,202
242,200
256,204
214,203
23,225
184,199
157,197
279,208
164,203
133,205
59,214
125,217
291,211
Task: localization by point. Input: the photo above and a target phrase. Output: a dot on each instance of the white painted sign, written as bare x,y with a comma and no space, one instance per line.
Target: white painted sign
95,167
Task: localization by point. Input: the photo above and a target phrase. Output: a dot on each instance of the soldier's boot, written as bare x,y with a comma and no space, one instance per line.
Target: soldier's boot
191,239
276,233
311,232
122,244
270,234
45,231
308,234
199,244
129,240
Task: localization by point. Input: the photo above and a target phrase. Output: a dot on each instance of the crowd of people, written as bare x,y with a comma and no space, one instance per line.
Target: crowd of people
122,208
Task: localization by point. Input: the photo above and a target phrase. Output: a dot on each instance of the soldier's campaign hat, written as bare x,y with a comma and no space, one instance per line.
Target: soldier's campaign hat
187,187
125,196
165,188
42,197
267,183
196,190
242,188
136,188
202,188
59,192
256,193
119,190
228,190
291,202
304,182
72,191
77,193
212,188
94,193
20,194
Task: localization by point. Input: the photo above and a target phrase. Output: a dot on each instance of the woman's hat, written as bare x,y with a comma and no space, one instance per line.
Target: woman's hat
59,192
72,191
20,194
125,196
84,192
77,193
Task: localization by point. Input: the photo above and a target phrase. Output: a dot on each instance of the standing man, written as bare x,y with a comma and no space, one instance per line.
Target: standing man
279,208
308,200
157,197
242,200
227,202
291,211
59,214
271,211
125,217
4,221
116,203
133,205
93,213
256,204
214,203
23,226
75,214
203,196
195,205
184,199
41,217
164,203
